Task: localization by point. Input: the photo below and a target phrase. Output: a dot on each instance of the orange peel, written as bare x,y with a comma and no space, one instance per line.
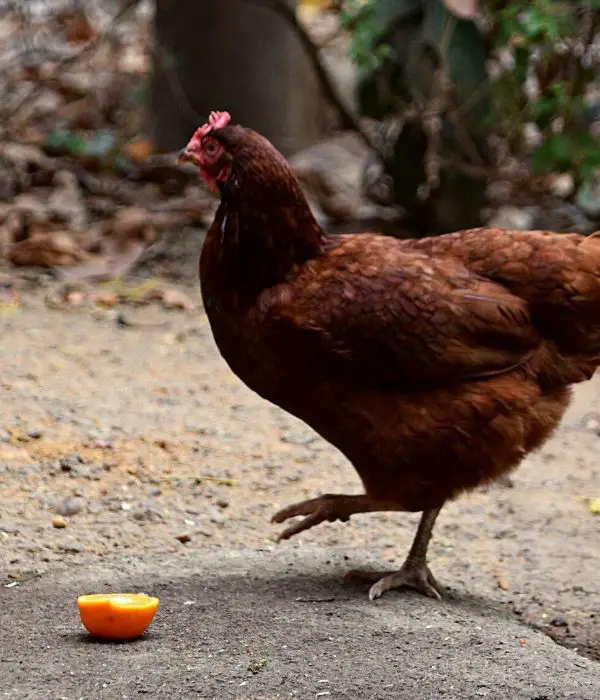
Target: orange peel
117,616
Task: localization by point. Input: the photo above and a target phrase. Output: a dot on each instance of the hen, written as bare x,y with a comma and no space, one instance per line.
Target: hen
434,366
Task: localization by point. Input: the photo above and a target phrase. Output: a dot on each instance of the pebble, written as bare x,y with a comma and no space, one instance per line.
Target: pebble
216,517
4,435
59,522
147,514
202,531
183,537
112,504
70,462
69,506
70,544
35,433
9,527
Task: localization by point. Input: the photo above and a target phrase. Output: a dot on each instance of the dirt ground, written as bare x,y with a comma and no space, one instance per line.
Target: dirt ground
119,440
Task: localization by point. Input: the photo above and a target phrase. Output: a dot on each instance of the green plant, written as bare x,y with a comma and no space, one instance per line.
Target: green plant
549,44
544,67
360,17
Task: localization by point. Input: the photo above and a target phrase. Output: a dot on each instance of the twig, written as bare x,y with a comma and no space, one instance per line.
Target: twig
348,120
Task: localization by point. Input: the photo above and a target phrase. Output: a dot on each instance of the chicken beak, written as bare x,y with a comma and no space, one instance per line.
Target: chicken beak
184,156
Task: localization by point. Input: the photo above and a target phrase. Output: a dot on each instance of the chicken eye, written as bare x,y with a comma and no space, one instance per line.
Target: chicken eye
211,148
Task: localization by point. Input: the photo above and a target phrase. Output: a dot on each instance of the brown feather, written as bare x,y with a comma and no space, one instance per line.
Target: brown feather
434,365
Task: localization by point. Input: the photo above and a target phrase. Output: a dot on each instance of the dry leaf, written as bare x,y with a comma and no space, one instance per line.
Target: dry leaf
140,149
594,506
47,250
76,26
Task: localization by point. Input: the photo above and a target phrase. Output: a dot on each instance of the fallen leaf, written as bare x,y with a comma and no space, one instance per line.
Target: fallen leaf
52,249
76,26
594,506
140,149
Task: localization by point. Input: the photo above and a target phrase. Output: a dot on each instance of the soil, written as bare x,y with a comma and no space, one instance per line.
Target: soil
124,436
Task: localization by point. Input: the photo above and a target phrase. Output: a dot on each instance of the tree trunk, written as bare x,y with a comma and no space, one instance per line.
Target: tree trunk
234,55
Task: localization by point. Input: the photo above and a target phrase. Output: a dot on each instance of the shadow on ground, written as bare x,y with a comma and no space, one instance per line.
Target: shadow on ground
258,624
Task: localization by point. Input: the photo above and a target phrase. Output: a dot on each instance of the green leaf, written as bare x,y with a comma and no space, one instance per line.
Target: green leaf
554,153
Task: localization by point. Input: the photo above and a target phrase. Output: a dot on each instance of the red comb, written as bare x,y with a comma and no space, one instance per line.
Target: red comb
216,120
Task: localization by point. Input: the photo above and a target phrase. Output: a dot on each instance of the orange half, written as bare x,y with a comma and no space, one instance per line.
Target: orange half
117,616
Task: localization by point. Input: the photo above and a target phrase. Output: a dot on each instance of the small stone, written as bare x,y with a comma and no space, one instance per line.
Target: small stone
69,507
216,517
203,531
94,507
59,522
183,537
9,527
71,545
112,504
559,622
222,503
70,462
147,514
35,434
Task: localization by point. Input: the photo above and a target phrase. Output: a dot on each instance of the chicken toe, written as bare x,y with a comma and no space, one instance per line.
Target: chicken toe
414,573
328,507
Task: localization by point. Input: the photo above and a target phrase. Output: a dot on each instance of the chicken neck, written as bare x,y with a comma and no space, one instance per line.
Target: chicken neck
265,232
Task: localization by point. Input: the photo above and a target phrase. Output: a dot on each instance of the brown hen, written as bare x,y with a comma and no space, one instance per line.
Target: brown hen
434,366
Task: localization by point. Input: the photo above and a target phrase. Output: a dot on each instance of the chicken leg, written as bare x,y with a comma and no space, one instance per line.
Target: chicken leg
331,507
414,572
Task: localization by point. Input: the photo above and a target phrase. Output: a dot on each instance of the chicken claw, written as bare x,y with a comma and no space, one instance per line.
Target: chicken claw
412,574
316,510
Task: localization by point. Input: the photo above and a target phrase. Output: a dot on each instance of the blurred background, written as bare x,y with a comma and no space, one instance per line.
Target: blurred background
411,117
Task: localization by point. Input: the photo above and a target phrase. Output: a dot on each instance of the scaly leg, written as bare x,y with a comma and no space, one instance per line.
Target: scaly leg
330,506
414,572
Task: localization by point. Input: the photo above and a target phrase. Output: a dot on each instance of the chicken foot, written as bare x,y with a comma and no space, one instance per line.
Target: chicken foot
414,572
330,507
